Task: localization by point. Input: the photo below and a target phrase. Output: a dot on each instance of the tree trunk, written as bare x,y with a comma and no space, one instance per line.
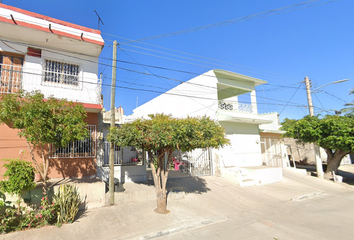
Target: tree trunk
161,200
333,160
44,188
160,181
43,173
19,203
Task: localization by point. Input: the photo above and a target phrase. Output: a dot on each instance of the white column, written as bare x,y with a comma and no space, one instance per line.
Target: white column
254,101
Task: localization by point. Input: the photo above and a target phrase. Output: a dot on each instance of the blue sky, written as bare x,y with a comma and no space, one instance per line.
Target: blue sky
281,47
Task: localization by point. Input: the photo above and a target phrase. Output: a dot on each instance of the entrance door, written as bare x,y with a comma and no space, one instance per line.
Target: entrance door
10,73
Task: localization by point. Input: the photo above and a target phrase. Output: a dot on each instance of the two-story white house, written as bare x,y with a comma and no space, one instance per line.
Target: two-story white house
61,60
230,99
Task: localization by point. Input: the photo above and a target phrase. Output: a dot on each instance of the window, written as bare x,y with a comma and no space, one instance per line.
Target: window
10,72
61,73
85,148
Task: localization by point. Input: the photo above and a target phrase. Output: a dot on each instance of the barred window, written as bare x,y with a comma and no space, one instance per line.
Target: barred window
62,73
85,148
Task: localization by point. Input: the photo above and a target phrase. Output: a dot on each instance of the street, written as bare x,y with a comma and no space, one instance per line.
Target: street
299,207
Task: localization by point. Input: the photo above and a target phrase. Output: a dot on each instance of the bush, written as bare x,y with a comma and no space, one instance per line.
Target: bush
68,200
12,220
19,177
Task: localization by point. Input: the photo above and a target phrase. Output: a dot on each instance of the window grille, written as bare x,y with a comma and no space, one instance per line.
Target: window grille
61,73
85,148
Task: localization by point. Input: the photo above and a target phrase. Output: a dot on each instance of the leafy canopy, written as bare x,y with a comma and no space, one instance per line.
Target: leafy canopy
19,177
42,121
330,132
169,133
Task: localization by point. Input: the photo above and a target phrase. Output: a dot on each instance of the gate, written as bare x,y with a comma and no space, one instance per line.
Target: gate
271,152
195,163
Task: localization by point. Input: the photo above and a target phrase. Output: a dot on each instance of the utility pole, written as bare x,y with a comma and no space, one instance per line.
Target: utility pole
113,120
319,167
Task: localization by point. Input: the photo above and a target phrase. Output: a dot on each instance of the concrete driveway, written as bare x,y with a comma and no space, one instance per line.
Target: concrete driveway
299,207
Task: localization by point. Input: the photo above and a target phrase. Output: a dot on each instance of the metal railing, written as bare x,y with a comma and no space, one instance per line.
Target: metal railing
235,106
123,155
59,85
195,163
86,148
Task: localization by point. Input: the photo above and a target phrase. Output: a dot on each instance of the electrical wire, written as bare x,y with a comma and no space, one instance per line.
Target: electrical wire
232,21
290,98
153,91
334,96
162,77
126,69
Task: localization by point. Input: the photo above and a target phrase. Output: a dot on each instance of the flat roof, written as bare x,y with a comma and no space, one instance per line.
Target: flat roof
48,24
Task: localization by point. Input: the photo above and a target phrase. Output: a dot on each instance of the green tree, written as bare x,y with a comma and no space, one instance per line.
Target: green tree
162,134
43,122
19,177
349,107
335,134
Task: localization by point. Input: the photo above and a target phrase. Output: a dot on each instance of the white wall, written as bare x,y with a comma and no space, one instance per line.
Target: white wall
245,149
88,90
274,125
201,100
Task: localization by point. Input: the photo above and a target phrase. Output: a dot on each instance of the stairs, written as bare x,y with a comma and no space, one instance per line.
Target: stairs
248,177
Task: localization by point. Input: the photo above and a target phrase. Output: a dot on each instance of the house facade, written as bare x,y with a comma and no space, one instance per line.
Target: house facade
230,99
129,162
60,59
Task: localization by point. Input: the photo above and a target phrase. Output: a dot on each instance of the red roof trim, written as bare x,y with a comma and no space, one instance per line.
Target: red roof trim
91,105
50,19
64,34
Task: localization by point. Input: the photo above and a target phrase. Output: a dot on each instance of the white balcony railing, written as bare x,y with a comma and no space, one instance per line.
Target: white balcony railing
235,106
73,87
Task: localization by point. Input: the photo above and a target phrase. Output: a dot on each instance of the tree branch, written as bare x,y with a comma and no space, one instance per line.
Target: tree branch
33,158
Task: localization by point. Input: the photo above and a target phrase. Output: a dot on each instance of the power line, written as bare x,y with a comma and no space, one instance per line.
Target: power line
216,60
126,69
334,96
232,21
135,71
290,98
211,65
180,71
154,91
155,76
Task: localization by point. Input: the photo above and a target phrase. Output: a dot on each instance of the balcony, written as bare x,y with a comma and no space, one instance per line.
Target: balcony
239,112
56,82
235,106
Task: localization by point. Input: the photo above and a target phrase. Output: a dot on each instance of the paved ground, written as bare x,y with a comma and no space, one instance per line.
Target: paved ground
299,207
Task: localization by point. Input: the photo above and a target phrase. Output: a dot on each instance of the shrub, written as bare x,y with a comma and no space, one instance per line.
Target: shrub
12,220
20,178
68,200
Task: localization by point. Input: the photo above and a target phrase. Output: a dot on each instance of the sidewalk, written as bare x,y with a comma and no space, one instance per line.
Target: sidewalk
209,203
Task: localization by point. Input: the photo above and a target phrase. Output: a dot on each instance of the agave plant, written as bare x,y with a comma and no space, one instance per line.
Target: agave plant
68,200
